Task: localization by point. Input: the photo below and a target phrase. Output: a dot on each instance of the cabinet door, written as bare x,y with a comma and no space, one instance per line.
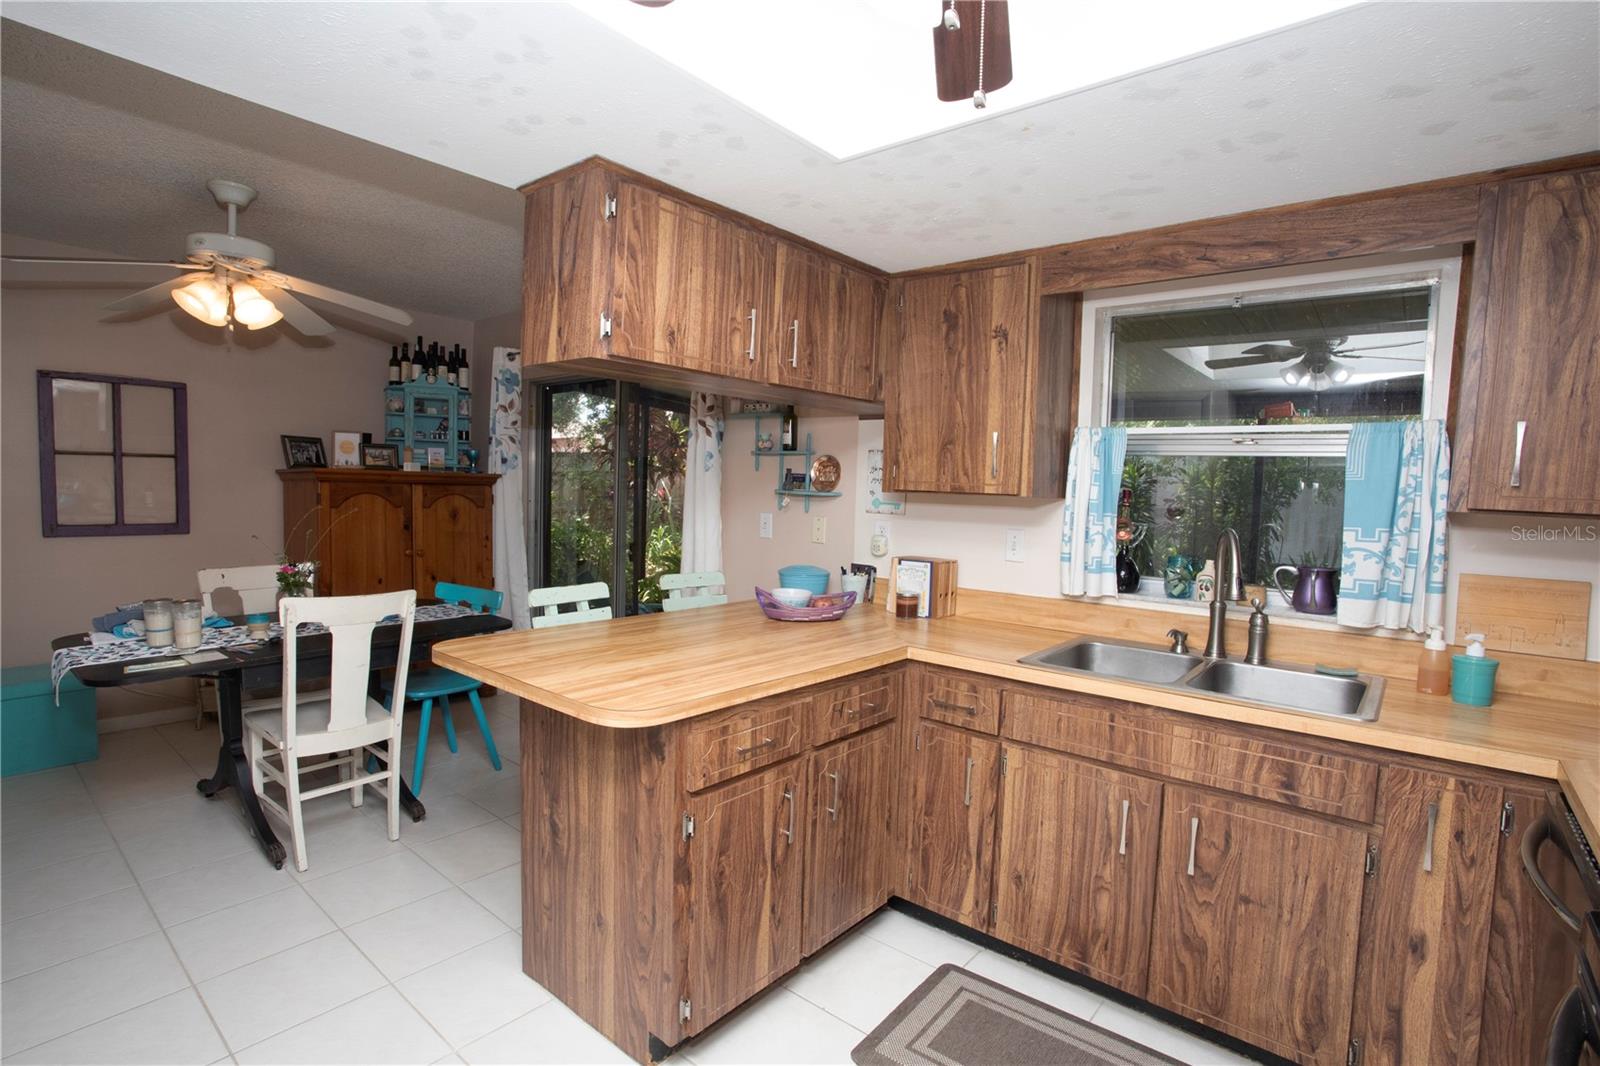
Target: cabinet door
853,369
745,876
369,538
954,794
849,853
1075,878
1256,921
1541,357
1420,996
805,324
960,382
742,343
453,535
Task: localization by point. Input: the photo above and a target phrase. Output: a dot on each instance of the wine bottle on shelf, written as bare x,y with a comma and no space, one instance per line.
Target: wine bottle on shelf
788,433
433,362
417,357
394,364
463,372
450,368
405,363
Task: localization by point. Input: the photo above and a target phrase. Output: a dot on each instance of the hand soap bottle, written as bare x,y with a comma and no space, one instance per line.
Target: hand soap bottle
1433,665
1472,674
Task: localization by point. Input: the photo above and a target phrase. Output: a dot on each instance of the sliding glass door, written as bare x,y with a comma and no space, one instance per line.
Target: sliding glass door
608,494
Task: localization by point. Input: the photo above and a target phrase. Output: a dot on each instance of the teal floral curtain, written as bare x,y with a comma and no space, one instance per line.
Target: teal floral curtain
1089,515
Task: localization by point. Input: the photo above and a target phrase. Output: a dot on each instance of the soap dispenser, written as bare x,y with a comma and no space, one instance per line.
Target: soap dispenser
1472,674
1433,665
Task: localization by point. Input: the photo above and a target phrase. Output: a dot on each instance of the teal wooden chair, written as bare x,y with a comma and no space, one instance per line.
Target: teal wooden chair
437,683
688,591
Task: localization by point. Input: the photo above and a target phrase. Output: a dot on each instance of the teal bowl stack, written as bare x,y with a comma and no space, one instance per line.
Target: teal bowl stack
813,579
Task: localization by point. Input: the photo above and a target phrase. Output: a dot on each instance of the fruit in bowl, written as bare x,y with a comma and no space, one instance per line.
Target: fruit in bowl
831,599
792,597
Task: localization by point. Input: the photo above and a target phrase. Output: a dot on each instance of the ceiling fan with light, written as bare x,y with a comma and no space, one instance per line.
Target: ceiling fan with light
228,279
1318,363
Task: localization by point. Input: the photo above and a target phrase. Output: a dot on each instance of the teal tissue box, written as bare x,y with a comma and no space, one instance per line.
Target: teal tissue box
35,733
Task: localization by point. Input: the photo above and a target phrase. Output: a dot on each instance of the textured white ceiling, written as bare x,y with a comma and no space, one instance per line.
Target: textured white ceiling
1378,95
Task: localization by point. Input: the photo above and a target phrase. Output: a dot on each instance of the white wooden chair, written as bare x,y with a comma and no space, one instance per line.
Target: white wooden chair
233,590
688,591
544,605
345,725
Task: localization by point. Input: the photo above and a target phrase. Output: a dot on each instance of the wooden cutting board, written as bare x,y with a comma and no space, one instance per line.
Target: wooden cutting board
1524,614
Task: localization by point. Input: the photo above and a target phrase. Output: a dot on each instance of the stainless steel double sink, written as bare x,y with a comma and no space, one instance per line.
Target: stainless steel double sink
1281,686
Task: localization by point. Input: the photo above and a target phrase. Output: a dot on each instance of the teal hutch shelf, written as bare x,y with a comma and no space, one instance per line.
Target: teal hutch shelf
805,454
420,416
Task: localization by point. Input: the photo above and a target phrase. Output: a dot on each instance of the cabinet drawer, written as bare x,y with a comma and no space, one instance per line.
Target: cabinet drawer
959,699
1191,749
746,738
844,709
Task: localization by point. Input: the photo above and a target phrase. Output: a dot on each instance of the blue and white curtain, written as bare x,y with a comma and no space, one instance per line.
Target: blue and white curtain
1089,516
1396,487
510,500
702,492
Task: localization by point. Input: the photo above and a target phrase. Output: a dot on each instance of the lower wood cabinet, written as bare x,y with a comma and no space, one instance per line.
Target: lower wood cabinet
1075,877
745,877
850,843
1419,994
1257,917
954,797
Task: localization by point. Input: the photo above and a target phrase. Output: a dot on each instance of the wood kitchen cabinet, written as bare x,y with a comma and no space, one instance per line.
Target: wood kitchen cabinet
1532,359
953,801
1257,917
380,530
745,872
825,324
849,846
979,394
1425,935
1075,876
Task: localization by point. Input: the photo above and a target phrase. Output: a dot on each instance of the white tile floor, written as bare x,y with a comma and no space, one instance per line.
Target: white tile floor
141,924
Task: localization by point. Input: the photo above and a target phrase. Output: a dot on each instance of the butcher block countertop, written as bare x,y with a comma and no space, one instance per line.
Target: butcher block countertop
653,669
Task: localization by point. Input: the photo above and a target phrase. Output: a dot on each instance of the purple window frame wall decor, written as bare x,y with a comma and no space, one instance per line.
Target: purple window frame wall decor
47,457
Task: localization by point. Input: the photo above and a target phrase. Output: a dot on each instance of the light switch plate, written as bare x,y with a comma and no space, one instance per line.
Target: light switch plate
766,524
1013,545
819,530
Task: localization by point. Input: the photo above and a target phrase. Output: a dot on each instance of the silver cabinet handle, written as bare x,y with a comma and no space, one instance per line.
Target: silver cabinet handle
794,343
949,706
1194,833
1122,847
788,794
1433,823
1516,456
967,799
833,812
766,742
750,352
994,454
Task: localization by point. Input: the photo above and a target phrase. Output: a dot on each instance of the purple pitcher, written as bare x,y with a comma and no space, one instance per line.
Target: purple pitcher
1315,588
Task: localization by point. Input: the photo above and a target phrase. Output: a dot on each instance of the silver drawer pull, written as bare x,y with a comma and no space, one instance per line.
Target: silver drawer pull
1194,833
750,352
1122,847
1427,853
766,742
833,812
947,705
967,799
1516,456
788,794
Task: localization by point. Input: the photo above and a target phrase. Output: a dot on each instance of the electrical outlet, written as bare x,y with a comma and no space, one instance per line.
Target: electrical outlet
819,530
766,524
880,529
1013,545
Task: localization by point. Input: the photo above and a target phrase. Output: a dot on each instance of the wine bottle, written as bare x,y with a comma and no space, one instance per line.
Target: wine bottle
463,372
394,365
450,368
432,367
405,362
417,358
788,433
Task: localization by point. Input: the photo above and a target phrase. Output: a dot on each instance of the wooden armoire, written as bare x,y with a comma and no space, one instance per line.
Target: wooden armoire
383,530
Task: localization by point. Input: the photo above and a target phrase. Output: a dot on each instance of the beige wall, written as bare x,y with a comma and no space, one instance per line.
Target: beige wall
240,398
501,331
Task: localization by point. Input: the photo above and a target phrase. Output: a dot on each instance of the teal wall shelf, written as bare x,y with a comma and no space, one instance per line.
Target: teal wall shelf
420,416
805,455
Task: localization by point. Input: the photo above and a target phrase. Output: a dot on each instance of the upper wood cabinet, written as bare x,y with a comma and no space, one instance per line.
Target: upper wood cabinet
1531,367
1426,935
978,397
1256,921
623,276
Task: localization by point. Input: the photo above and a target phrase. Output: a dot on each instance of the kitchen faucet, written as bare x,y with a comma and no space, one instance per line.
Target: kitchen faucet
1230,586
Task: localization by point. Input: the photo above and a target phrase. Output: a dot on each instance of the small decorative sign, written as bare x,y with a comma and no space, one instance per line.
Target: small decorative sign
879,501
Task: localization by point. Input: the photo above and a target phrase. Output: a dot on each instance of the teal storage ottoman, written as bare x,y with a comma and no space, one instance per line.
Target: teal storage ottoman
35,734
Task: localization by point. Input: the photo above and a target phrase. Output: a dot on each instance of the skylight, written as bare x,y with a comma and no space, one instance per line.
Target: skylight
854,76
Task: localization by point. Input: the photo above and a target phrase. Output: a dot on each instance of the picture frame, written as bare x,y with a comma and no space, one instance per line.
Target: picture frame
794,480
347,448
302,452
435,458
380,456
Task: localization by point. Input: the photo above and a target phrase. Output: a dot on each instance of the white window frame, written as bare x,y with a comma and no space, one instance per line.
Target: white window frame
1440,267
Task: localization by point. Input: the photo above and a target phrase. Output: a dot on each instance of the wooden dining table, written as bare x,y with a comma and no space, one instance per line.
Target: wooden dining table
260,665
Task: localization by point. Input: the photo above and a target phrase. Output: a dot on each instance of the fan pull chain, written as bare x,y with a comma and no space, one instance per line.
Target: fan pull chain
980,99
